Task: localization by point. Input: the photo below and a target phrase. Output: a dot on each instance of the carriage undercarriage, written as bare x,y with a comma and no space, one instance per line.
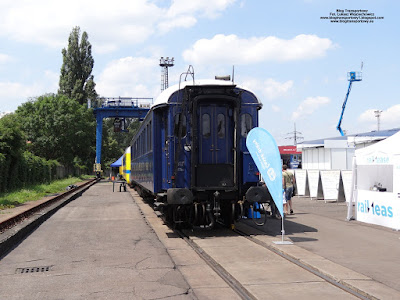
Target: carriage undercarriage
207,213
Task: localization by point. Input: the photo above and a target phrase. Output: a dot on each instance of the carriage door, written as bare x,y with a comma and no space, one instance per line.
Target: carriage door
215,157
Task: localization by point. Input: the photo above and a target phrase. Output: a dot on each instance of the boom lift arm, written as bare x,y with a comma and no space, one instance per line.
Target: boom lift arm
351,76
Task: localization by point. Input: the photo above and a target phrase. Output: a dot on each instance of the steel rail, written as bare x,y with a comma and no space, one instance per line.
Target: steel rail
316,272
228,278
15,219
18,227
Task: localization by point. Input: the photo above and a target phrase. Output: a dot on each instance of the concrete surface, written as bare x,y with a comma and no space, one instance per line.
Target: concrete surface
97,247
359,255
112,245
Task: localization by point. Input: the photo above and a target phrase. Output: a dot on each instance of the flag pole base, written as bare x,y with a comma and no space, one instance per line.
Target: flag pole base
282,242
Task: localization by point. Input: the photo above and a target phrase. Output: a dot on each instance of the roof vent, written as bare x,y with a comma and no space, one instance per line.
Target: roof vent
226,77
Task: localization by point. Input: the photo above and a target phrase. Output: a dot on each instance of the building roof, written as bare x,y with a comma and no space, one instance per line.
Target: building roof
349,141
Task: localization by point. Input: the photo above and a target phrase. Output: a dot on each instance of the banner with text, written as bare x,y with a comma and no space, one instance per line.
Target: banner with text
265,153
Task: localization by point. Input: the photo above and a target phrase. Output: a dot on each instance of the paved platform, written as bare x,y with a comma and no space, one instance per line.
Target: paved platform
98,246
112,245
357,254
360,256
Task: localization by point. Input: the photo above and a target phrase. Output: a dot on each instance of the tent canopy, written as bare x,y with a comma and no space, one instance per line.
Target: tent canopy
117,163
389,146
375,179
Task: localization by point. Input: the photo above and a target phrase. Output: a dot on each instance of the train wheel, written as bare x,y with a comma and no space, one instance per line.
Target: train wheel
227,213
239,211
179,216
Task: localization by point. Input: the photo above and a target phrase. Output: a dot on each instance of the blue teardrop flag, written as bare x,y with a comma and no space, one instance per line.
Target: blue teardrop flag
265,153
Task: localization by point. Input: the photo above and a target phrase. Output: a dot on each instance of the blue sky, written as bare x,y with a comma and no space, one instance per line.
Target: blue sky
294,61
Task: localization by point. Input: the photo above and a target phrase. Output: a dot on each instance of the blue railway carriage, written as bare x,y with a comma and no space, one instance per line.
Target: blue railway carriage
190,153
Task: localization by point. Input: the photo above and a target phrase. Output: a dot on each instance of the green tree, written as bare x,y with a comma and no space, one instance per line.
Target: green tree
12,138
76,81
59,128
12,145
115,143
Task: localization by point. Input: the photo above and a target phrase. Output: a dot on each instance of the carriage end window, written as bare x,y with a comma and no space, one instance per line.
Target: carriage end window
206,126
221,126
246,124
180,118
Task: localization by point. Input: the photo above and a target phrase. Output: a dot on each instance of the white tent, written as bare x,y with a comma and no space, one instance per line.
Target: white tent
376,183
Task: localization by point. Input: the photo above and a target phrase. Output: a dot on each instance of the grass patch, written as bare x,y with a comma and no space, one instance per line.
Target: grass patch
37,192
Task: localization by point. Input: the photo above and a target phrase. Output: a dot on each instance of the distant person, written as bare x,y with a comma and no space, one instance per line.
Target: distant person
288,182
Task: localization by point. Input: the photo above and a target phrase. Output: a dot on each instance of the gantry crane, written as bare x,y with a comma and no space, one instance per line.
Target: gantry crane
351,76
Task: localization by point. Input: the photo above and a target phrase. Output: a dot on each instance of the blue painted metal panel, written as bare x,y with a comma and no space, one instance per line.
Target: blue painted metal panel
160,163
157,150
250,170
142,172
113,112
215,138
99,131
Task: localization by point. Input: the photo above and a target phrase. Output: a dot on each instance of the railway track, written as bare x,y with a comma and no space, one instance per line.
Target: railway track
249,261
18,225
242,289
302,265
242,292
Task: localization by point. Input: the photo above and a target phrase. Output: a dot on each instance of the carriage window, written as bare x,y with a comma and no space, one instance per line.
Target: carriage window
148,137
206,126
136,149
246,124
176,124
221,126
144,141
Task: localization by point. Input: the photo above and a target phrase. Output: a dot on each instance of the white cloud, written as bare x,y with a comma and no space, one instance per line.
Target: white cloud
274,89
49,22
392,114
4,58
126,77
13,94
275,108
206,8
388,118
179,22
108,23
367,116
3,113
230,49
308,106
269,88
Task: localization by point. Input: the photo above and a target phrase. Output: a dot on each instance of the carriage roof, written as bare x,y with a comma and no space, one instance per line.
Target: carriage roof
166,94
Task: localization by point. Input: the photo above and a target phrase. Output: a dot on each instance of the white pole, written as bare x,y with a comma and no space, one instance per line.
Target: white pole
282,242
353,190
